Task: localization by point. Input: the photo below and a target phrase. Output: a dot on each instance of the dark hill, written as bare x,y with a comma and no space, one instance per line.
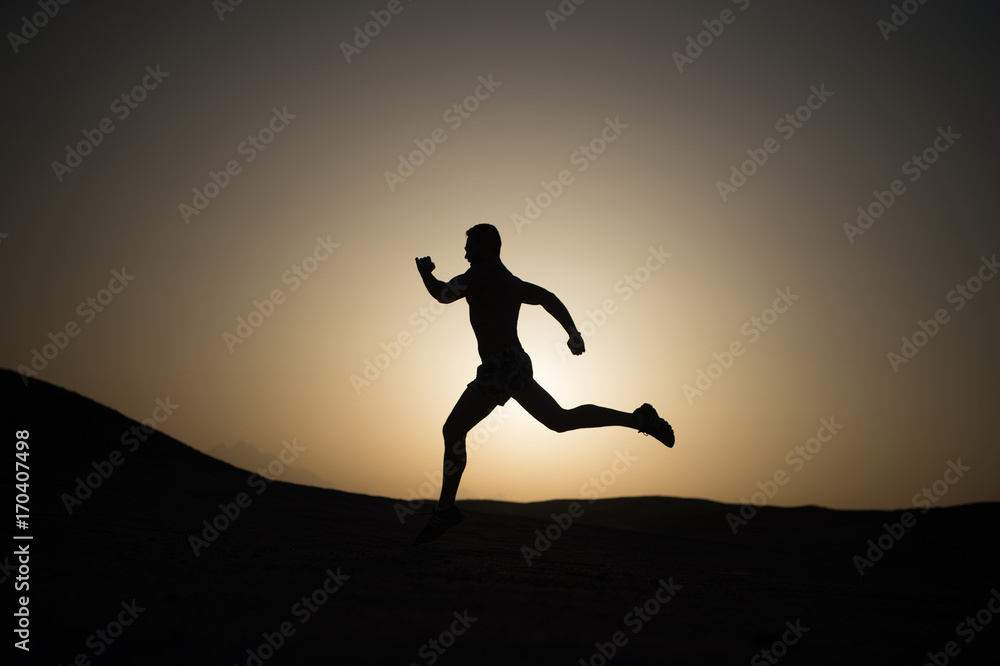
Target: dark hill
733,594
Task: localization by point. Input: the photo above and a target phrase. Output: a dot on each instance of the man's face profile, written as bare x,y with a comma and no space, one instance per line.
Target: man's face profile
474,251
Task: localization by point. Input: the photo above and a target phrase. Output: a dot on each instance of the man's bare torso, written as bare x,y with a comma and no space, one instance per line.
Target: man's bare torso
494,296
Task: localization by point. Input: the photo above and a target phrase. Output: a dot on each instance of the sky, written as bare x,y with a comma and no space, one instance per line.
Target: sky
773,221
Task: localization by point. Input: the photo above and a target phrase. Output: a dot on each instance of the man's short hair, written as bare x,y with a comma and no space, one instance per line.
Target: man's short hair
486,233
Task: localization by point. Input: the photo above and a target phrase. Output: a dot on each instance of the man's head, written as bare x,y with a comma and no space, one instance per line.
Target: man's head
483,244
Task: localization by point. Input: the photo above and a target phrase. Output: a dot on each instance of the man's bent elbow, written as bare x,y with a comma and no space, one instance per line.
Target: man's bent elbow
444,296
449,294
542,297
551,303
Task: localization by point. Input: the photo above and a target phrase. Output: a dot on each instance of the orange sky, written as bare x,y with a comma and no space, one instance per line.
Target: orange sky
692,221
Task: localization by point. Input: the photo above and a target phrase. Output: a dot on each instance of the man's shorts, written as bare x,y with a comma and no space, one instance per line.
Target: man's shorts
503,374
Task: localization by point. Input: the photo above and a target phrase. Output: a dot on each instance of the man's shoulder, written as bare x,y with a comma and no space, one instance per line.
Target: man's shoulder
491,276
493,270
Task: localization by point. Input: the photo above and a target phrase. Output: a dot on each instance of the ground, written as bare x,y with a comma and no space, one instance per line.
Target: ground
787,581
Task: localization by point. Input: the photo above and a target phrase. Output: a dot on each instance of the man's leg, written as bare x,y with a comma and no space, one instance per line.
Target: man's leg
537,402
471,408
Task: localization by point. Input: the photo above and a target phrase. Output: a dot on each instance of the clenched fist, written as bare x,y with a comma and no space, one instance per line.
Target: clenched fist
425,265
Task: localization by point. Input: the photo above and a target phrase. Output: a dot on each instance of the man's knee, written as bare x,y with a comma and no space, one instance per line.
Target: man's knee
557,422
454,439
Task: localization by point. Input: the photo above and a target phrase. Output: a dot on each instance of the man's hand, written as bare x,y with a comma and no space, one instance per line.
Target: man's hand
425,266
575,344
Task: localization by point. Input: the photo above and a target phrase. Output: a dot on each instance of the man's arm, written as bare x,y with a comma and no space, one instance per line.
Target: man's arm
532,294
443,292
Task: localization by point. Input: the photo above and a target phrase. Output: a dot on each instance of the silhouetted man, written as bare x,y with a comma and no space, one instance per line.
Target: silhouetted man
495,296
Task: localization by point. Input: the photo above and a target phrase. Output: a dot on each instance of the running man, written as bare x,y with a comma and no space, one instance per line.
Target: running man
495,296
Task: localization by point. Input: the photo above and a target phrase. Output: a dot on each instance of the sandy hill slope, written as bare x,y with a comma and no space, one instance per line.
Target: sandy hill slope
149,569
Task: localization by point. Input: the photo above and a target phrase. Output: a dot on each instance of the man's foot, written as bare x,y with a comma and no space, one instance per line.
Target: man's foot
441,521
650,423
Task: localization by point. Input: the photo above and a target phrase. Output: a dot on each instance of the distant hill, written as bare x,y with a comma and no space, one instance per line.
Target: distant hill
542,589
